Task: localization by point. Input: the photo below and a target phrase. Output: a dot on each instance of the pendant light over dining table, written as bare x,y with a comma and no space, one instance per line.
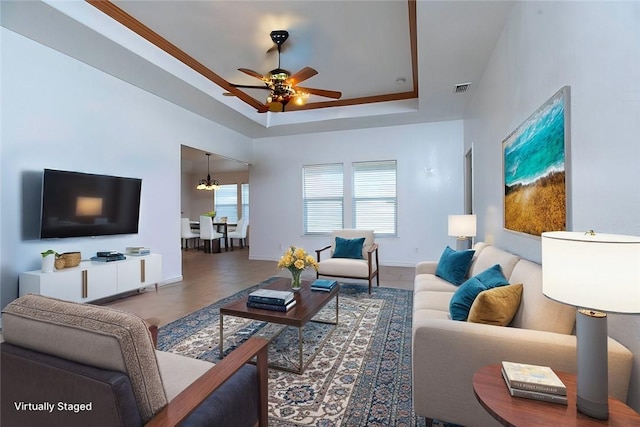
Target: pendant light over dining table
208,184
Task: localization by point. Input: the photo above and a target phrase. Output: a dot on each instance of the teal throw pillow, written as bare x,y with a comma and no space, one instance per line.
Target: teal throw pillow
464,296
492,277
454,265
348,248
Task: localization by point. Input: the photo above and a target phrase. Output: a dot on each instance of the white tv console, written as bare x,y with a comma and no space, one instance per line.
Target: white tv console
93,280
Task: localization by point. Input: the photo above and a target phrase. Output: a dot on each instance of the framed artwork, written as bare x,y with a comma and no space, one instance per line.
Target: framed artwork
535,160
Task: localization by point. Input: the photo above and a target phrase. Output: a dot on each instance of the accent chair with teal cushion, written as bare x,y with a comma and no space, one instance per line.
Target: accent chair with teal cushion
454,265
352,254
465,295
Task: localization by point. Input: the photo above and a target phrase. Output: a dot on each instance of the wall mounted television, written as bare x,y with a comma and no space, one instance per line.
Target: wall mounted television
76,204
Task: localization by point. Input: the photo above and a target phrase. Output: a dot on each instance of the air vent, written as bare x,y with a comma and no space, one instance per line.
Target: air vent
461,87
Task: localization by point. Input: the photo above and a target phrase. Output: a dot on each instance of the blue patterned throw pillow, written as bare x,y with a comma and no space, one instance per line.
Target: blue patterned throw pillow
464,296
454,265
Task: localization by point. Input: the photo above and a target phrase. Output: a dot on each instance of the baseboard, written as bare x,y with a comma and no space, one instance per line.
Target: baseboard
171,280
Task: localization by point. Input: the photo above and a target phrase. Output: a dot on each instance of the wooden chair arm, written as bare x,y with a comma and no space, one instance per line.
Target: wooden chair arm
374,247
152,325
190,398
320,250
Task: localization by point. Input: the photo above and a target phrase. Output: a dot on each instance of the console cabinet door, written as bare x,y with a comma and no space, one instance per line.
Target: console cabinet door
138,272
86,282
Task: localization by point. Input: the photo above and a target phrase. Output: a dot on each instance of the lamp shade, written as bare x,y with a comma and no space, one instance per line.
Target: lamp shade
595,271
462,225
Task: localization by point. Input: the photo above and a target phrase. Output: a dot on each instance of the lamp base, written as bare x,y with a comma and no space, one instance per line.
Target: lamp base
593,388
463,243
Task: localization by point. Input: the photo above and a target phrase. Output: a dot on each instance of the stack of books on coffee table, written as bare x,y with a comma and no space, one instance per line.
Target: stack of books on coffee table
323,285
269,299
534,382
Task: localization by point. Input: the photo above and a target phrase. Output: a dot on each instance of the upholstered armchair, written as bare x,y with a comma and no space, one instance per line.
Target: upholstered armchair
353,254
97,366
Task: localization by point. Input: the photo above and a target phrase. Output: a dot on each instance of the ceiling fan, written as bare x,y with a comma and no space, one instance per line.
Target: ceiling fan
284,85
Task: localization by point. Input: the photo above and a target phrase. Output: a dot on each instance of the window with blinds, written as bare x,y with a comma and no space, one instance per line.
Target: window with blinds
226,202
323,198
245,201
374,201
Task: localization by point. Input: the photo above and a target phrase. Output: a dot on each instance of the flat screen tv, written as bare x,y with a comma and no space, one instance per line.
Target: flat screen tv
76,204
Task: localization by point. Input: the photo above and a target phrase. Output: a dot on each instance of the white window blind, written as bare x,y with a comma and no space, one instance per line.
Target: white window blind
227,202
323,198
245,201
375,204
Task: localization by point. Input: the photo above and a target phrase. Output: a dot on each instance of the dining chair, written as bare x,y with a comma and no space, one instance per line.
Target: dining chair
186,233
209,235
239,233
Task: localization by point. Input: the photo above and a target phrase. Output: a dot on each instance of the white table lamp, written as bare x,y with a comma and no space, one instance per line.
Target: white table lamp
462,227
597,273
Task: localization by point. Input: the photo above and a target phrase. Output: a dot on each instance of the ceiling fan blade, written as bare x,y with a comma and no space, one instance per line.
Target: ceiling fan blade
249,86
302,75
320,92
252,73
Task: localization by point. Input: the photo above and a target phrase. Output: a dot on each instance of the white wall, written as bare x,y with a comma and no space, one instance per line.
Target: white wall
60,113
196,202
429,179
595,48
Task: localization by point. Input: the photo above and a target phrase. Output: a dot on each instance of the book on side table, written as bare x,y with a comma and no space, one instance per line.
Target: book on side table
534,382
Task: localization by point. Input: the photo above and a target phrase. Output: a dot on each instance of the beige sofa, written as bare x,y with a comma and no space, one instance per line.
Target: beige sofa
446,353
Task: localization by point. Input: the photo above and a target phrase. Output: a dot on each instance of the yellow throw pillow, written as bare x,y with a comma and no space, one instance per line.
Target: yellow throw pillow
496,306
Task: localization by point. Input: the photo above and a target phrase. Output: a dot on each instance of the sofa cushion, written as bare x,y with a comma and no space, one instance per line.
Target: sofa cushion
496,306
344,267
463,298
536,310
490,255
178,372
348,248
432,300
454,265
97,336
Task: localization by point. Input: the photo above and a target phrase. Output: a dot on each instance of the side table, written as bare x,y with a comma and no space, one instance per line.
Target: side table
492,393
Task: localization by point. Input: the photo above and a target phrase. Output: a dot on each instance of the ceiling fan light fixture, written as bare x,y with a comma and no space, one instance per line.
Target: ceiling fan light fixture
301,98
283,85
208,184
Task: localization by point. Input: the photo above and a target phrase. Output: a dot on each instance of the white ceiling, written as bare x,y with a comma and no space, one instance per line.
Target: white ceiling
361,48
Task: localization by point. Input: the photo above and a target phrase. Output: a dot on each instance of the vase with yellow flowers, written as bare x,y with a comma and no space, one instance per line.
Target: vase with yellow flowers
296,260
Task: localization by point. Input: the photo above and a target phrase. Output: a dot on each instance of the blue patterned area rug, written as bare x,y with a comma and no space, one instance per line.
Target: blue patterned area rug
359,373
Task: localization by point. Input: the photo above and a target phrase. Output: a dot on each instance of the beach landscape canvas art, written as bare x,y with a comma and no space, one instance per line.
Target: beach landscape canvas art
535,166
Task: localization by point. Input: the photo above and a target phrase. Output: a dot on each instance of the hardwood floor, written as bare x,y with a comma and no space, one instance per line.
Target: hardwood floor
208,278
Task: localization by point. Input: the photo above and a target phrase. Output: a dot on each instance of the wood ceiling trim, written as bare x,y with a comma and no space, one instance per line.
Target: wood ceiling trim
110,9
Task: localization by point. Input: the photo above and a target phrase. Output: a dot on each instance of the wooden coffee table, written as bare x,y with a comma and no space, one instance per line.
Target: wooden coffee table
308,304
491,391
